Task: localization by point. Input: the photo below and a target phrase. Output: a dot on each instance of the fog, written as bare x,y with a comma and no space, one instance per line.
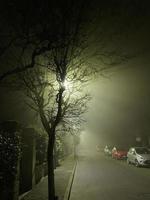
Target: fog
119,111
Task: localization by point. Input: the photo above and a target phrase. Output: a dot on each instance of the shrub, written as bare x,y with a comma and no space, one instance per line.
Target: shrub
9,155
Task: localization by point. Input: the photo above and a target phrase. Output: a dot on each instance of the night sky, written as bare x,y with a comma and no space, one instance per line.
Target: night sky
117,41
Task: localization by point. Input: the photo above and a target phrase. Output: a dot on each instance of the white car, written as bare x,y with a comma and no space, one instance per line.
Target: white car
107,151
140,156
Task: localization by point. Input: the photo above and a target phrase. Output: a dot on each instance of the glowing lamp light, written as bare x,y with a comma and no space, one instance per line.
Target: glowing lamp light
67,85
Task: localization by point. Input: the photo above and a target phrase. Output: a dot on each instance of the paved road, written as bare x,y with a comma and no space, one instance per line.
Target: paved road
101,178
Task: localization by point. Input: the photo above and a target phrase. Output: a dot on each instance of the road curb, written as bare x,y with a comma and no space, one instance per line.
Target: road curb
69,186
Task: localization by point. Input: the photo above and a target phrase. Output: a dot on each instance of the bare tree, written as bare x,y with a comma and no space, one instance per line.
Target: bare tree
54,40
31,29
51,41
25,34
44,94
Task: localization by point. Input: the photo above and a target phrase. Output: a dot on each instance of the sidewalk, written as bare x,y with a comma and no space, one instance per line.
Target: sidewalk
62,175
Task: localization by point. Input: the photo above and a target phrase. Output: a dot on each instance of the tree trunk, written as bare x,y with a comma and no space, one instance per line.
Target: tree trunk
50,156
51,184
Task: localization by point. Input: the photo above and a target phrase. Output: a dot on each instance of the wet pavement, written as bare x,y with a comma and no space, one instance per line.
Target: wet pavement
99,177
62,175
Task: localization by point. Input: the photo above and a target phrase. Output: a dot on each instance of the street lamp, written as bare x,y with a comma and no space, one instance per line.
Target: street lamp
67,85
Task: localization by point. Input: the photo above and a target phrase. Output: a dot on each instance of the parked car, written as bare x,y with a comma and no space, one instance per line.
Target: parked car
119,153
107,150
139,156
